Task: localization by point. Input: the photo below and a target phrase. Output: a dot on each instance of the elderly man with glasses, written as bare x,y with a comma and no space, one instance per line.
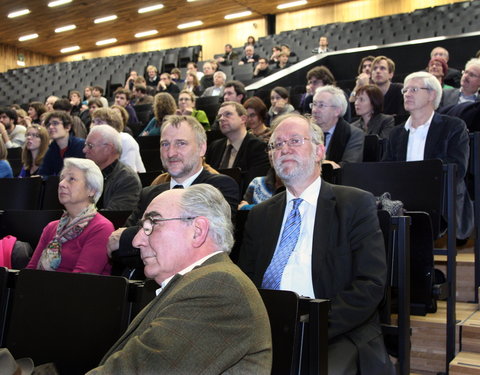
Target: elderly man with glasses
343,141
469,86
321,241
207,317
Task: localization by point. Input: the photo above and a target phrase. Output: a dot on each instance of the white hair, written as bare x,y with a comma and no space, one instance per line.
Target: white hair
338,97
430,82
109,135
93,174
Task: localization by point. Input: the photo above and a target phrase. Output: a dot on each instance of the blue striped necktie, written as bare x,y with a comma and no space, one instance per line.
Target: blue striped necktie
288,241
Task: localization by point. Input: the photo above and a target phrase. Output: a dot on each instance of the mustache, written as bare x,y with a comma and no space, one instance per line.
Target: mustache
173,159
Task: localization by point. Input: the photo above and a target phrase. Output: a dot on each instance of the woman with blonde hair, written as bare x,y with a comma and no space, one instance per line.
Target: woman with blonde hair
163,105
192,84
5,168
34,149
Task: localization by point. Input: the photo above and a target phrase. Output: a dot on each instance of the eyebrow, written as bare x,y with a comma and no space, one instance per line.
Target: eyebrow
152,214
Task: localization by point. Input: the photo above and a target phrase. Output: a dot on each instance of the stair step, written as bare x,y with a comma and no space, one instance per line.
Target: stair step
470,333
465,363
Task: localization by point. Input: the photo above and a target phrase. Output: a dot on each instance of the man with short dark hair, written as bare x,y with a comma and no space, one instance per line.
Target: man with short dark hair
122,98
122,185
322,45
208,317
183,143
167,85
13,135
63,145
229,56
318,76
78,127
234,91
97,92
383,69
262,68
141,96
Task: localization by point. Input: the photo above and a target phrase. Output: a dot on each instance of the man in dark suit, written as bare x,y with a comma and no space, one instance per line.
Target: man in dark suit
336,251
429,135
469,86
250,57
239,149
228,57
208,317
182,146
343,141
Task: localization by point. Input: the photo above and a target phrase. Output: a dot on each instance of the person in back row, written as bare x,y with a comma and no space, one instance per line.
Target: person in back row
63,145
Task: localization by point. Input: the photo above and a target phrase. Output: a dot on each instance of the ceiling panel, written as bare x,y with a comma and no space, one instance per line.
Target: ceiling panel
44,20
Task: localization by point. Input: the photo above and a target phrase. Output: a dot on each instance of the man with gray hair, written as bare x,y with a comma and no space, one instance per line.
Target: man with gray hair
208,317
321,241
219,79
343,141
430,135
122,185
469,86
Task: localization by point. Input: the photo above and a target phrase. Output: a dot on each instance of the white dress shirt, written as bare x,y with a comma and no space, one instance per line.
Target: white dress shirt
187,182
417,139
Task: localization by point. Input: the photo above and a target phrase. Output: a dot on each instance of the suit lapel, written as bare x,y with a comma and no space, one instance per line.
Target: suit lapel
401,152
241,151
434,137
324,223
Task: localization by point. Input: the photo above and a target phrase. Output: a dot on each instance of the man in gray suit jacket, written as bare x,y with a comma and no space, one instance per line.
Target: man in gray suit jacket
208,317
469,86
338,252
343,141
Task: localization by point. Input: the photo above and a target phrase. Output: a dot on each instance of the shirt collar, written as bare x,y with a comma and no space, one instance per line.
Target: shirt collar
424,127
187,182
108,170
310,194
238,143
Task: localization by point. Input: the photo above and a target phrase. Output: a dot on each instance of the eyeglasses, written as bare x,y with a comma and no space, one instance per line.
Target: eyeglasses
33,135
320,105
470,74
99,121
413,90
148,224
224,114
54,123
292,142
91,146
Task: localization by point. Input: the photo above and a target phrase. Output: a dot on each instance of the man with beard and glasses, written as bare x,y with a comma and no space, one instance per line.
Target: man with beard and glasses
183,143
321,241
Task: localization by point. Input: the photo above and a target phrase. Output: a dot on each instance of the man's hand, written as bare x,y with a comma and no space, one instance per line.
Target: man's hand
114,241
334,165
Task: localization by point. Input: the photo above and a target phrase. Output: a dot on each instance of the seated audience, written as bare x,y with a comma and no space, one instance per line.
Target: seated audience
122,98
130,82
176,76
234,91
5,168
130,152
256,117
97,92
76,103
140,95
318,76
21,116
77,242
322,45
163,105
63,143
35,111
152,76
228,57
34,150
124,115
261,188
12,135
282,62
204,298
192,83
469,86
383,69
369,105
249,57
429,135
331,247
274,57
167,85
364,76
193,68
343,141
452,76
122,184
262,68
219,79
87,94
279,100
207,80
78,128
438,67
250,41
50,102
93,105
186,107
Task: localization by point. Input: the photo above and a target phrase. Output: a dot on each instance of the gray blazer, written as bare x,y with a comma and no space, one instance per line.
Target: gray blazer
380,124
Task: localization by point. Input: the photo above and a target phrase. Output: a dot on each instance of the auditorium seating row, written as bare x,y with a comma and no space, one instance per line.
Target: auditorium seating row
35,83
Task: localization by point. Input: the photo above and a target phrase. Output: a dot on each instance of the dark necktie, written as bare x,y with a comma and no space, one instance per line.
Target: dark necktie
178,187
325,137
288,241
226,157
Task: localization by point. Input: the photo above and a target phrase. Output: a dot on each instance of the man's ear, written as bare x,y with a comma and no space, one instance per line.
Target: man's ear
201,226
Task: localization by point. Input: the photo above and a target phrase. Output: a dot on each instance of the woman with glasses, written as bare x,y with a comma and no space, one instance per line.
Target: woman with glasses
63,143
78,241
439,68
186,107
34,150
279,100
369,106
256,116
